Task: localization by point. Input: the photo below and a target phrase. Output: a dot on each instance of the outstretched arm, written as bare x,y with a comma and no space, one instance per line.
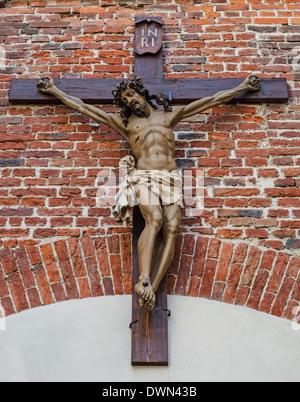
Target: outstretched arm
46,85
252,83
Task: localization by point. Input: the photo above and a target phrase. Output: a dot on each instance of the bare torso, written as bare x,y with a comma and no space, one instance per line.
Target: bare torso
152,141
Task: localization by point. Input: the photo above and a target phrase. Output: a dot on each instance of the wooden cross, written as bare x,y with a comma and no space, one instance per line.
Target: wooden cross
149,330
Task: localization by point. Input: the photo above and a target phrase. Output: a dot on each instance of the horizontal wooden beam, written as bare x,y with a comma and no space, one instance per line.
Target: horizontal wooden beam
181,90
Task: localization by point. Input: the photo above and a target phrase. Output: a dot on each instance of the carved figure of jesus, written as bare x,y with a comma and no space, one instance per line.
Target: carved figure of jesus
149,131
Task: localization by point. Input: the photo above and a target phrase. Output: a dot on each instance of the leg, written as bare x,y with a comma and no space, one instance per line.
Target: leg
172,216
153,216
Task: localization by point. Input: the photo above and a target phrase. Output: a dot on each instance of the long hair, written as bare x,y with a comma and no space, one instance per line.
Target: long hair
137,85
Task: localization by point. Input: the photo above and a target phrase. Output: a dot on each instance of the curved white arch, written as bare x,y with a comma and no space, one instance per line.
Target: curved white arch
90,340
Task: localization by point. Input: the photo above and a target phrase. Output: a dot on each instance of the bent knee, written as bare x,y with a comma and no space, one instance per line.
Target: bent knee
172,227
155,219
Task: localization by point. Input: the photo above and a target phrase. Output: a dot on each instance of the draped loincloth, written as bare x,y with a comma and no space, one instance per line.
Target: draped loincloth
163,185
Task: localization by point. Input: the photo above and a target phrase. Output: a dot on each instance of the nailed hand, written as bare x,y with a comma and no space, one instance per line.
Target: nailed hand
45,85
252,83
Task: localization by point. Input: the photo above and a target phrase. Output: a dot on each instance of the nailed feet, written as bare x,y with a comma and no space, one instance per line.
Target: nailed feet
147,295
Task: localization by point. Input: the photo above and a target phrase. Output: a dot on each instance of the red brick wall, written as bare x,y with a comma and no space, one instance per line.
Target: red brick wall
244,248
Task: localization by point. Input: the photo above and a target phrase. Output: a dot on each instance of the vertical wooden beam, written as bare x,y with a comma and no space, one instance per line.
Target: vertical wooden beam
149,342
148,65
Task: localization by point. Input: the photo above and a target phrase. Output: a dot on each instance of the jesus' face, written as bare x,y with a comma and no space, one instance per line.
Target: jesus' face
133,100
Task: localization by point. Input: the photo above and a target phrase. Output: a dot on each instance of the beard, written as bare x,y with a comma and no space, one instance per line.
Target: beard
140,111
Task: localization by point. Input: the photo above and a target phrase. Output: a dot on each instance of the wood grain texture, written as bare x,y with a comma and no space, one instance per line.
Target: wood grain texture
182,90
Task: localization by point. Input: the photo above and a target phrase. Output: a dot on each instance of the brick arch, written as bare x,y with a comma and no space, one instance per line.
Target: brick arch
238,273
233,272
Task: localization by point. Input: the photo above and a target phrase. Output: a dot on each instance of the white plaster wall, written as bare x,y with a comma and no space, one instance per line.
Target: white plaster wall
89,340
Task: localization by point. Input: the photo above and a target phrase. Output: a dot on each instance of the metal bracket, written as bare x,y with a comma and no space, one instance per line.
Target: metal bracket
167,310
132,323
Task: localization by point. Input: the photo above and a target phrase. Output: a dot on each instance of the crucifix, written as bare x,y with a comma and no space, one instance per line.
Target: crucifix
152,172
